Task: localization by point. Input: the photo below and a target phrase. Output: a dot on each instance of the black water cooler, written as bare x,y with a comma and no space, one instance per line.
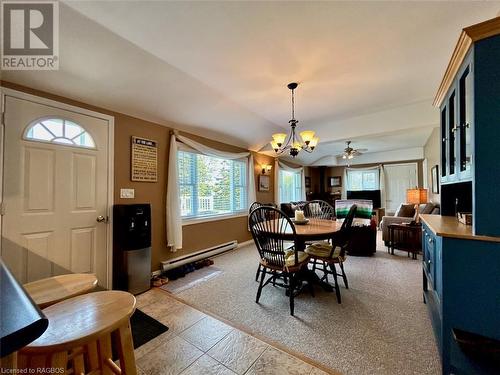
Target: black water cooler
132,247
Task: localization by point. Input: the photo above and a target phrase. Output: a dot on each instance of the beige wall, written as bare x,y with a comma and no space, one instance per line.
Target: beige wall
431,153
196,236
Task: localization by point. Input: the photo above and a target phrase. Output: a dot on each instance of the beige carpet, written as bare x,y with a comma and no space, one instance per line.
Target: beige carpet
381,327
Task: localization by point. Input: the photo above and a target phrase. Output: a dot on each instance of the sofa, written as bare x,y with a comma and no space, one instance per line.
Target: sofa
406,213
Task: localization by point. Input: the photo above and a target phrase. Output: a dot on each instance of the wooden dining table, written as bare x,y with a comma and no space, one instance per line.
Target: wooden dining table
314,230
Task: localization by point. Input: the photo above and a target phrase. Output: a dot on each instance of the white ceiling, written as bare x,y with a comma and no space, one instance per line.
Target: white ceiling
220,69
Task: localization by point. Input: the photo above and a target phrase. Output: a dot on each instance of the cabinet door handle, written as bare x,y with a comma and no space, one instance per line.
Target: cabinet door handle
429,262
429,239
454,129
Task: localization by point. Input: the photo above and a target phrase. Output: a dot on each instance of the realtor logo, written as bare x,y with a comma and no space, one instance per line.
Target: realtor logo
30,35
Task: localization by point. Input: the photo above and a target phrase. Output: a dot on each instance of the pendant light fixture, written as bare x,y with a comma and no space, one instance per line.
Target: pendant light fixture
293,145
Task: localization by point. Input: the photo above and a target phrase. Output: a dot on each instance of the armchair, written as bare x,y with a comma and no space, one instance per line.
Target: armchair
405,214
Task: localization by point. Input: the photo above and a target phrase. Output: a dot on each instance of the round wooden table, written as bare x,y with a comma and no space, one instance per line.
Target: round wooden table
316,229
83,331
48,291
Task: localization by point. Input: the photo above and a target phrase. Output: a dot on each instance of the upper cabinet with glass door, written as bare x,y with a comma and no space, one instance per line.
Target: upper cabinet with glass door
456,128
465,110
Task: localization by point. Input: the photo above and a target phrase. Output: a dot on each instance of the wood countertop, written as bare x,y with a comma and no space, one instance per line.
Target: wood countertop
449,226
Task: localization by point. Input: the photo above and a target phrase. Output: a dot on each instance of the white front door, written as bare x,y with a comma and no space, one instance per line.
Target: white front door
55,195
398,179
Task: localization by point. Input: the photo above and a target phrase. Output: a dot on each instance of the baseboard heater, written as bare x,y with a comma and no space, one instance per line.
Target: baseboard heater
201,254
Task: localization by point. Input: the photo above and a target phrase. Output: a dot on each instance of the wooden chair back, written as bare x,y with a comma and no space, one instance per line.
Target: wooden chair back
319,209
255,205
268,226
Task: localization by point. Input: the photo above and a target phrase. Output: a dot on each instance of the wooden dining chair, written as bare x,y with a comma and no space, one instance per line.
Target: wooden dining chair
319,209
270,227
335,253
253,206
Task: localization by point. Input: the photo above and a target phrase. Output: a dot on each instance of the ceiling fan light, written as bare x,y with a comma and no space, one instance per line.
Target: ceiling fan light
279,138
307,136
350,156
344,156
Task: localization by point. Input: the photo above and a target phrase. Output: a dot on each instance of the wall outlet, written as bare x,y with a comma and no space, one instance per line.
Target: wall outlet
127,193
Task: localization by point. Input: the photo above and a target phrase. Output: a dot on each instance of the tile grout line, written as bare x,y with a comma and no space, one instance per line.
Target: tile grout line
257,336
219,362
261,354
196,359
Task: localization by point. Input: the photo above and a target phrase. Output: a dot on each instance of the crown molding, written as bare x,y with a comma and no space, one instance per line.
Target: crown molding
468,36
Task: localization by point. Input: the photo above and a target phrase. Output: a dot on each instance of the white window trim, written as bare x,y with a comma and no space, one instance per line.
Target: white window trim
45,118
207,219
362,170
300,187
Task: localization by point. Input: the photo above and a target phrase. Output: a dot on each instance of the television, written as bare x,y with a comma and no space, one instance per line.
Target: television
373,195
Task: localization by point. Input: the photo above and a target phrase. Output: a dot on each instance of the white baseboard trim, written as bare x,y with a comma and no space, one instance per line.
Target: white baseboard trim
245,243
239,245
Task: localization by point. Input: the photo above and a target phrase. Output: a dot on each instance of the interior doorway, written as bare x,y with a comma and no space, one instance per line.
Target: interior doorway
399,178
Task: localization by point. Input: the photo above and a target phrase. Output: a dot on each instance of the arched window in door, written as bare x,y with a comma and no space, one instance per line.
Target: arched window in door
58,130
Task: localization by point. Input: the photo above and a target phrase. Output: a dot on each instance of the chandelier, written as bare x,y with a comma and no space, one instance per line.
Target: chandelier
309,141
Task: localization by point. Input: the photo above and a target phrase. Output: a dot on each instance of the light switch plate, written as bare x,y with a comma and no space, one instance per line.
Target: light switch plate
127,193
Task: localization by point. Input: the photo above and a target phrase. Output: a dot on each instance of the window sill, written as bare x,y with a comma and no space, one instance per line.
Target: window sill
211,218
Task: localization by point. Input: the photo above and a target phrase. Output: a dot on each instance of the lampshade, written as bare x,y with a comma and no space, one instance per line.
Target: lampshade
416,196
279,138
314,142
296,145
274,145
307,136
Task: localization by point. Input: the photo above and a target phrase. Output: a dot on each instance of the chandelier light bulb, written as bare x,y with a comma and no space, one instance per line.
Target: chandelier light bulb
297,145
307,136
275,146
279,138
314,142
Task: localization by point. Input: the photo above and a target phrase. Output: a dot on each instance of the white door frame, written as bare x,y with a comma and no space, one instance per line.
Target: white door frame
4,93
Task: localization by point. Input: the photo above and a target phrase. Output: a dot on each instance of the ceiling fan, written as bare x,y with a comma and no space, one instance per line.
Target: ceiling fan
349,152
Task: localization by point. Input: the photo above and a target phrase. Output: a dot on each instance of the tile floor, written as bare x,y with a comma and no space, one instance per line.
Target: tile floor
199,344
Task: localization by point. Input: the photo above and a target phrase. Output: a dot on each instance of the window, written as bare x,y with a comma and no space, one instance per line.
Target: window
56,130
363,179
210,186
290,186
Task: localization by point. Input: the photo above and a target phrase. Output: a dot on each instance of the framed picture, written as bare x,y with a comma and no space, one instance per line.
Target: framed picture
264,182
435,179
308,182
335,181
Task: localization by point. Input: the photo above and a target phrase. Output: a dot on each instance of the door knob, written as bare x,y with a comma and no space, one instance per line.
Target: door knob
101,219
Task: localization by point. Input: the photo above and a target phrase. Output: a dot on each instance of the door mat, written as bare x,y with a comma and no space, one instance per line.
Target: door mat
192,279
145,328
